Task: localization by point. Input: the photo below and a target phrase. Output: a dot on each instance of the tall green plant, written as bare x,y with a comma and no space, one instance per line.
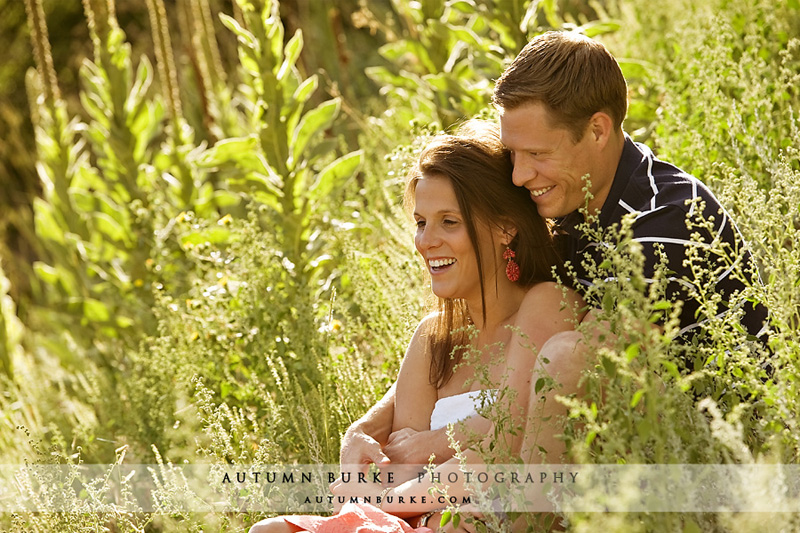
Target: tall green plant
286,163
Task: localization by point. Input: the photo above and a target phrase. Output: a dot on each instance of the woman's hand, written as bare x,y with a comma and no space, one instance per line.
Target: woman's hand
360,449
354,489
409,447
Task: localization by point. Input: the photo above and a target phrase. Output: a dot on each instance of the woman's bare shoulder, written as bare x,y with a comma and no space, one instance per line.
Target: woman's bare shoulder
550,300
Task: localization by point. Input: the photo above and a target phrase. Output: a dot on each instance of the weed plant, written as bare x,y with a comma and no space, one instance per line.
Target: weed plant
238,288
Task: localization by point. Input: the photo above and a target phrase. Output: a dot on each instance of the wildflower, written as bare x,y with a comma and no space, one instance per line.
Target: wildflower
138,283
224,221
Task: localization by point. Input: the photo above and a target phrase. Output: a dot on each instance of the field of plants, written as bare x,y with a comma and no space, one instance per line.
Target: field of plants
204,256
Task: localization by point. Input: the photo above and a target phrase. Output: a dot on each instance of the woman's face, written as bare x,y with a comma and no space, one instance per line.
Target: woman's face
444,243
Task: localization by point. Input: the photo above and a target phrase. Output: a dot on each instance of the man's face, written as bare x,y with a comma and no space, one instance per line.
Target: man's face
550,164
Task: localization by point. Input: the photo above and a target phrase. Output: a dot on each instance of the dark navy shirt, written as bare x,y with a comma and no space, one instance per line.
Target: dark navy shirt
662,198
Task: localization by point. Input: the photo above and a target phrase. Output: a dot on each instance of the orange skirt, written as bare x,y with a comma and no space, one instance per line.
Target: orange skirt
355,518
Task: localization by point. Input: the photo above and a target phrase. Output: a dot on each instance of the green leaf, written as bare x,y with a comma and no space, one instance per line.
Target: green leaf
291,53
609,366
456,520
227,150
608,301
445,518
244,36
336,173
672,368
637,396
299,99
134,104
635,68
110,228
465,35
662,305
387,78
313,123
599,27
45,221
632,351
539,385
46,273
95,310
464,6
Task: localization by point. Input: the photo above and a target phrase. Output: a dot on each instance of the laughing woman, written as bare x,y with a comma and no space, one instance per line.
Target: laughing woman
491,259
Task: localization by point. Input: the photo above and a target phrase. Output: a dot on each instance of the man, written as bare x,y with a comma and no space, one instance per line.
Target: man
562,103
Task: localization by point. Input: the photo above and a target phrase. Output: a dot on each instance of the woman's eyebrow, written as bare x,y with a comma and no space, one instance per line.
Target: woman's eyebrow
442,212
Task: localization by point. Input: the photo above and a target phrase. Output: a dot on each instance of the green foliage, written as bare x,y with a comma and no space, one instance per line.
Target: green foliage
440,70
225,276
726,75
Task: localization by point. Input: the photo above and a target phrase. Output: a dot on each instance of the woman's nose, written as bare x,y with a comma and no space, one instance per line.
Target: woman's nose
428,238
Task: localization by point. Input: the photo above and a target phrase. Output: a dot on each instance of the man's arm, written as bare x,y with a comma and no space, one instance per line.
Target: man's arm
363,441
407,446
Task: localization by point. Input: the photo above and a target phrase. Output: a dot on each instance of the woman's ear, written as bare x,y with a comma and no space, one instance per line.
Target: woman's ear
509,232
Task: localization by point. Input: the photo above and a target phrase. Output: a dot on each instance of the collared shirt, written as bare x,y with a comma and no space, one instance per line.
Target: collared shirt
662,199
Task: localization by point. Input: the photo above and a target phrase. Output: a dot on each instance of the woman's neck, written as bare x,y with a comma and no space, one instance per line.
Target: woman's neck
501,305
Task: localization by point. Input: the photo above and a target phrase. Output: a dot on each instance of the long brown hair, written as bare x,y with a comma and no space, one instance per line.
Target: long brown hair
479,169
573,75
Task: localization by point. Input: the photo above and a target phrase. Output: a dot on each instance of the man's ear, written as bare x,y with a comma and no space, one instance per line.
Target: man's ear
601,128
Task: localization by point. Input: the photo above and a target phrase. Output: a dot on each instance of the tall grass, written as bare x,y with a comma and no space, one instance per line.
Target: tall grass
225,279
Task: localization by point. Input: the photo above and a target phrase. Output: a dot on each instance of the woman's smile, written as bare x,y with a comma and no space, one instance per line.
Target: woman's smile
439,265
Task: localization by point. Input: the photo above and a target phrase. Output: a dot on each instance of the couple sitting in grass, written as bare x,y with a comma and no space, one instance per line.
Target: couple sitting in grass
497,211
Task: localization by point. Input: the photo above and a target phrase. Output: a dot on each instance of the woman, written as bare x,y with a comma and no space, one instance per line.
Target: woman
490,258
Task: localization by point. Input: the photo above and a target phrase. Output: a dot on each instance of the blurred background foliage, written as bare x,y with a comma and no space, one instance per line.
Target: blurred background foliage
202,249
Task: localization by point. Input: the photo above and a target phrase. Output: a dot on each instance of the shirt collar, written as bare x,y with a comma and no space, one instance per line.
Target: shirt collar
630,159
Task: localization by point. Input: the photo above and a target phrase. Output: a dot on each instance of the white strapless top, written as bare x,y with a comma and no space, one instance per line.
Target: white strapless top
452,409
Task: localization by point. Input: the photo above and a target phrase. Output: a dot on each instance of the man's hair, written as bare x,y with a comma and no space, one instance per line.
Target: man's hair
478,166
571,74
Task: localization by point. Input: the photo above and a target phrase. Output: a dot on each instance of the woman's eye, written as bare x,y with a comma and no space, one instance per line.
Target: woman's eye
449,222
420,223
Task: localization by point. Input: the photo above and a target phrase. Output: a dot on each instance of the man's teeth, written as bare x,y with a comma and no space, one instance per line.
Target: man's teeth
436,263
539,192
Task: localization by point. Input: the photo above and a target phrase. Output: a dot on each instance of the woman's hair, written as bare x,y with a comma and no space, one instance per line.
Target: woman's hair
571,74
479,167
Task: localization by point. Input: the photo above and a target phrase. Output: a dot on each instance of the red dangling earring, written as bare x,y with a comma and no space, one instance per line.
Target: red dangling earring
512,268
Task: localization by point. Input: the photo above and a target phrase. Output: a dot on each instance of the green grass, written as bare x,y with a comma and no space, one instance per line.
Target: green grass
242,301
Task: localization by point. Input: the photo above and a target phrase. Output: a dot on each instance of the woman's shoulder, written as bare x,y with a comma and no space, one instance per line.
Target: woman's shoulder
551,297
427,323
544,290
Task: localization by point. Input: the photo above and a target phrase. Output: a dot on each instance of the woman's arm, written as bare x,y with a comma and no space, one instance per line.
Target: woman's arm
416,395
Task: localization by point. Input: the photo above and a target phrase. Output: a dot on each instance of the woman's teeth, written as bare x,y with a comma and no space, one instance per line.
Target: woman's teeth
438,263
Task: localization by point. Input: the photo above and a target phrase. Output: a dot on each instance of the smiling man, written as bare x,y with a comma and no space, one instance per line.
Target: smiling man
562,103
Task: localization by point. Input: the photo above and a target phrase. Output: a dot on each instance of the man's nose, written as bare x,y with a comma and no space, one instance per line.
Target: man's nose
523,172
